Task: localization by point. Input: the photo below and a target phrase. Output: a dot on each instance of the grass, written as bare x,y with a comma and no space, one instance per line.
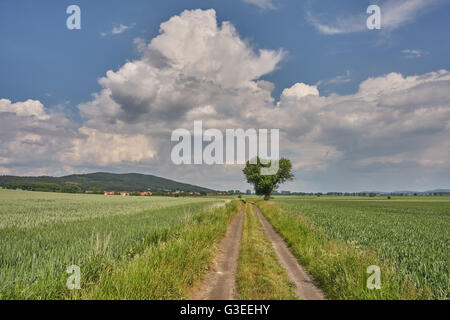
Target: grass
260,275
44,233
169,267
157,247
339,267
412,233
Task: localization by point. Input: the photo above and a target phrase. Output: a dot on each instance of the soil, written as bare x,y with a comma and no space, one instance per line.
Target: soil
220,282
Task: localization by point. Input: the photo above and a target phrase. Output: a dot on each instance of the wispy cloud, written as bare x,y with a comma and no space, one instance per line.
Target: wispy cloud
343,78
263,4
343,24
117,30
394,14
409,53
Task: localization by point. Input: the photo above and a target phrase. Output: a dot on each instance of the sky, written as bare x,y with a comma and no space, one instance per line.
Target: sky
357,109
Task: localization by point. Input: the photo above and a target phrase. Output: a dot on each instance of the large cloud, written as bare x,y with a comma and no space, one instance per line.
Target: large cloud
392,132
192,63
387,117
30,134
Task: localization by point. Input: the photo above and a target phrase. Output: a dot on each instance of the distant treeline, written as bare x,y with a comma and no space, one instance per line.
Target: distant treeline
48,187
75,188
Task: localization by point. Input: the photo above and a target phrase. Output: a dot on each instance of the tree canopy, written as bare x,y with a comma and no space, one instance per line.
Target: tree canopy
266,184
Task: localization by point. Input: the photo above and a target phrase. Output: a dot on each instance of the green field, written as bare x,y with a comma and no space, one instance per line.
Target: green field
410,235
44,233
159,248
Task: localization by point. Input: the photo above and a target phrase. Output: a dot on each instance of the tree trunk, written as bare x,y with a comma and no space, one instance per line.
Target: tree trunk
267,197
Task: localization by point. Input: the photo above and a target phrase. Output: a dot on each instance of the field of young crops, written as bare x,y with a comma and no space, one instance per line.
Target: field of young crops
141,247
412,233
41,234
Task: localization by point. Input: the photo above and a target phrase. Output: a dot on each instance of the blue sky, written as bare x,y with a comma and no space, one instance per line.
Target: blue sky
43,61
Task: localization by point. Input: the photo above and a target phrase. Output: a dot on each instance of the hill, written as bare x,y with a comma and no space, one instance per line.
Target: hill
101,181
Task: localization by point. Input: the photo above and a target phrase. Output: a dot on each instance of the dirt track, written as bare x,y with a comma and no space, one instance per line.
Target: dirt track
220,282
305,287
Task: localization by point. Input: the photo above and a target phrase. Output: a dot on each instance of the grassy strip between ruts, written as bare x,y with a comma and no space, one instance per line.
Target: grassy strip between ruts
339,269
167,269
260,275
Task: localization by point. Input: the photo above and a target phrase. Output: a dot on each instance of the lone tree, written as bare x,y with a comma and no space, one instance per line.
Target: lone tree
265,184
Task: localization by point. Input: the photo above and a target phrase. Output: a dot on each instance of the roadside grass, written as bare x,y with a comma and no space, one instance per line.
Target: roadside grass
260,275
338,267
34,260
168,268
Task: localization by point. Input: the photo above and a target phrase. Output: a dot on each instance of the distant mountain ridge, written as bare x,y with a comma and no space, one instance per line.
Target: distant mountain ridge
104,181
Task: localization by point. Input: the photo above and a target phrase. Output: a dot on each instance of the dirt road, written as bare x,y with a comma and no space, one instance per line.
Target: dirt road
305,287
220,282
